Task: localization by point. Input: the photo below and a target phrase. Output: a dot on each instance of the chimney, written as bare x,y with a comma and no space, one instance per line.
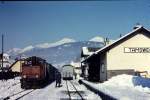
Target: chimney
106,41
120,35
138,25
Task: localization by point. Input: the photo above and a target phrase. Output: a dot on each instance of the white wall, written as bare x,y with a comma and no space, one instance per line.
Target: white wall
117,59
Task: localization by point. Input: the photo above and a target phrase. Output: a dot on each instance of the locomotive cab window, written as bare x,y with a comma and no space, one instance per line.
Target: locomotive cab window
34,61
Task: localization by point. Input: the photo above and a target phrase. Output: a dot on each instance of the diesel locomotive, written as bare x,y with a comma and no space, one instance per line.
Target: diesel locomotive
36,72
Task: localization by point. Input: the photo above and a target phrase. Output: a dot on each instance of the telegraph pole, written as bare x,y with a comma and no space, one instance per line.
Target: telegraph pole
2,50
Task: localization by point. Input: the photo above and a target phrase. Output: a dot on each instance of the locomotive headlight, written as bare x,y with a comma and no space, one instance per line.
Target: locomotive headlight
24,76
37,76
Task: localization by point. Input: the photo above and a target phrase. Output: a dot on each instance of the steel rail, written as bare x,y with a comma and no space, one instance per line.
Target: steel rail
24,95
68,91
77,90
8,97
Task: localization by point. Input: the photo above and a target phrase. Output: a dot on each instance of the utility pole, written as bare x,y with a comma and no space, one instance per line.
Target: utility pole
2,50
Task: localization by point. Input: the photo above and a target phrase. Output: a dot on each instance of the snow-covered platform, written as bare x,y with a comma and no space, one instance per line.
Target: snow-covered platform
58,93
123,87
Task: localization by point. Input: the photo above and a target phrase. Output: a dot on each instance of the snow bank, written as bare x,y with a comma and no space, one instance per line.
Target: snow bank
125,87
138,83
120,80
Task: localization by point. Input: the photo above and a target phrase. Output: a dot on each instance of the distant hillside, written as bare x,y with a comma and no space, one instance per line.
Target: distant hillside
62,53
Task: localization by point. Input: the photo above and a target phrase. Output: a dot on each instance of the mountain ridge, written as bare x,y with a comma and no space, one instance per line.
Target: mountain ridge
59,54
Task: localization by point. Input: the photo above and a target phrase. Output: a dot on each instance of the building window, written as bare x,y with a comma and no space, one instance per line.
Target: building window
102,67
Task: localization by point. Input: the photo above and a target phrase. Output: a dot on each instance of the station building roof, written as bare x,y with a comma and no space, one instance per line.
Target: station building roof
118,41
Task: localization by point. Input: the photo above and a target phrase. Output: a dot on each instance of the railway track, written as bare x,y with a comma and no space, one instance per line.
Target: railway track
73,92
19,95
13,85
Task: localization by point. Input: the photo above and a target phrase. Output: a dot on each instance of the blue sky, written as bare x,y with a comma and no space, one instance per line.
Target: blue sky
29,23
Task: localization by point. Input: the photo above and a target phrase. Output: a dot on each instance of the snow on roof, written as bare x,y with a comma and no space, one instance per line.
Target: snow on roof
6,55
75,64
105,47
120,39
86,51
89,50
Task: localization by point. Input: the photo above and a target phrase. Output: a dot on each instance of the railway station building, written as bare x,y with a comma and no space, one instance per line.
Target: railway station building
85,52
130,54
16,66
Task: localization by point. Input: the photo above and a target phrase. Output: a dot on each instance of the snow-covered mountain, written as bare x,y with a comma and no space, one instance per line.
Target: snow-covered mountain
97,39
63,51
60,42
14,51
42,45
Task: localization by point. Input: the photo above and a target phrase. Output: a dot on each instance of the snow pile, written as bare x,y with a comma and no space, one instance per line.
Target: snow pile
120,80
124,87
138,83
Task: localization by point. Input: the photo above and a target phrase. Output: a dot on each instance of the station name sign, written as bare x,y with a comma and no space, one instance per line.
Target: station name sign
137,49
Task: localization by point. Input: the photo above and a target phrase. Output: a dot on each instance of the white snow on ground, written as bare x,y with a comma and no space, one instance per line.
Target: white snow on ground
88,95
125,87
47,93
52,93
122,87
9,87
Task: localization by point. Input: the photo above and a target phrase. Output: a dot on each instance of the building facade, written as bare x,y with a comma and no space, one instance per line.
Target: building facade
129,54
6,61
86,51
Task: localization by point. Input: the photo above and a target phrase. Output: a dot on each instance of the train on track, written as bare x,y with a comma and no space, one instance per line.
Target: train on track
36,72
67,72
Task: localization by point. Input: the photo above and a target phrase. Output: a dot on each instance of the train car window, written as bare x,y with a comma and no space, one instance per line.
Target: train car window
33,61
